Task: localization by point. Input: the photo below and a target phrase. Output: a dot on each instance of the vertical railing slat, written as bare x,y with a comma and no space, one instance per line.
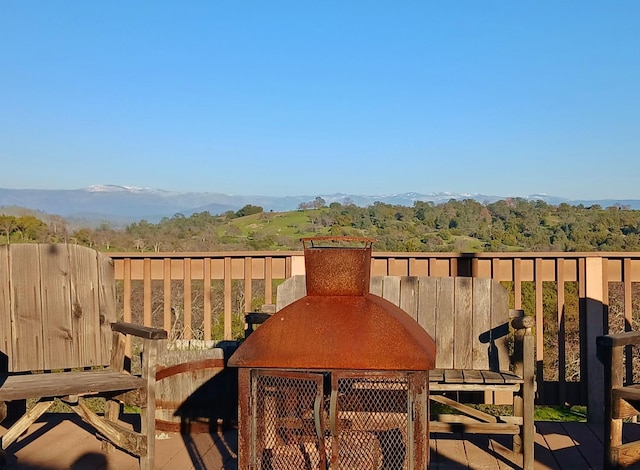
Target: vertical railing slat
186,280
146,282
594,316
561,318
248,276
539,329
582,292
166,293
628,318
228,289
207,299
517,284
268,280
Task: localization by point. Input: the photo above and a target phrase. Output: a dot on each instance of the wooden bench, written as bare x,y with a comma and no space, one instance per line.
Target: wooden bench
621,400
482,347
59,339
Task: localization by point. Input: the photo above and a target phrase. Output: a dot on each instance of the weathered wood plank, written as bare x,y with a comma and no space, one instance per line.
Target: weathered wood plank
464,424
445,333
463,328
409,296
462,387
436,375
375,285
295,289
500,324
428,306
118,434
6,348
107,306
481,323
465,409
491,377
391,289
60,345
57,384
24,422
26,306
453,376
471,376
85,304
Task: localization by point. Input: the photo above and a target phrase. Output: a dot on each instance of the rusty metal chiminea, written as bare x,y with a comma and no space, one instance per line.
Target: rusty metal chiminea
337,379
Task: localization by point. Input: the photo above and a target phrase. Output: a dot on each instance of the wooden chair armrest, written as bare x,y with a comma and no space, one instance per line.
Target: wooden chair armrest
619,339
140,331
521,323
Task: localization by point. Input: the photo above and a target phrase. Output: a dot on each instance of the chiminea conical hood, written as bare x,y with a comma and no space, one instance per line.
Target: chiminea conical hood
338,324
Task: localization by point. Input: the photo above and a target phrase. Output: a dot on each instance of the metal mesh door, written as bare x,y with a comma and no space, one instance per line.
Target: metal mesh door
342,420
288,421
369,422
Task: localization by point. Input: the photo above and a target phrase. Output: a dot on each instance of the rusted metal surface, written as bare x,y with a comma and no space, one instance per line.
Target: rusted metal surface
337,269
338,324
338,332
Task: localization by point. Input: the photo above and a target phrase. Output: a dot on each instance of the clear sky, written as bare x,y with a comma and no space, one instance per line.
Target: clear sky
505,98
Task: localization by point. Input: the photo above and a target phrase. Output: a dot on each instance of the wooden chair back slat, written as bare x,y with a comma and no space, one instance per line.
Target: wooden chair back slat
294,289
85,280
107,306
464,321
444,311
57,329
482,323
427,305
58,317
6,345
25,307
500,324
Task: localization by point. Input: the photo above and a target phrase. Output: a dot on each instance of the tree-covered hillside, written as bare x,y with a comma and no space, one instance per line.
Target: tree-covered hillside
460,226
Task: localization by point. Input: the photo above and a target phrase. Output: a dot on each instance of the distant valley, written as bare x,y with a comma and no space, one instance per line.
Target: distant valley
121,205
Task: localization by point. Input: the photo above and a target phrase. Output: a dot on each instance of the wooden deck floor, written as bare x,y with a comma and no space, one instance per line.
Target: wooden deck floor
55,443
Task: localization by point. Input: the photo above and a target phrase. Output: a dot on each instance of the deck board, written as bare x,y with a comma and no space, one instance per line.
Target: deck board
562,446
60,441
587,442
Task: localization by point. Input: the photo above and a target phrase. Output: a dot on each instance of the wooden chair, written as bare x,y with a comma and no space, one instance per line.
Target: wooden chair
59,339
481,346
621,401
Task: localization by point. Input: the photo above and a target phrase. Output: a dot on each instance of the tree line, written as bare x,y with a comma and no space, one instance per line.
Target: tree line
457,225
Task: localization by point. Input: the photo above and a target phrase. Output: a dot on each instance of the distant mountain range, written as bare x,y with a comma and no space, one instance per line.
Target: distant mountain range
120,205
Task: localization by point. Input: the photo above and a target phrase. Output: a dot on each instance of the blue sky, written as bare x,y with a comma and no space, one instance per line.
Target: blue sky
279,98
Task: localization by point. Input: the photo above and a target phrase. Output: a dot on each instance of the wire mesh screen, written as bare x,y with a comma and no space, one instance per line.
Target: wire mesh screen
288,427
372,423
326,420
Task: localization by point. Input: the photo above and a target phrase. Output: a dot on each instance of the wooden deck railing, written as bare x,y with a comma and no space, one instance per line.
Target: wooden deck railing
574,297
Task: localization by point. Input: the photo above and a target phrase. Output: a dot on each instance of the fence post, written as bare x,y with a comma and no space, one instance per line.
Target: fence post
595,315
